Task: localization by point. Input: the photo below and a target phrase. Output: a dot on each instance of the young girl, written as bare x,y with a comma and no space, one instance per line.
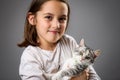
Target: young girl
47,47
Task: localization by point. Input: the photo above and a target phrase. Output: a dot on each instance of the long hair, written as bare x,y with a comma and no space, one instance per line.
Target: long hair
30,33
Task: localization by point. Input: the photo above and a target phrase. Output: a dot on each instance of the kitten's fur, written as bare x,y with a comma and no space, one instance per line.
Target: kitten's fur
83,57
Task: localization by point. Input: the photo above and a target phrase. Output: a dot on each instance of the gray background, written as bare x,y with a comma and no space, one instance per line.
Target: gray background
97,21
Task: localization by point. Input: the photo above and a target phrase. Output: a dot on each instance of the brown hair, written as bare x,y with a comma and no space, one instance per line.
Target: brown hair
30,33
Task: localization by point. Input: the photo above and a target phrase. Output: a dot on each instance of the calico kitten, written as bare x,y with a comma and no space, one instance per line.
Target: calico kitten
83,57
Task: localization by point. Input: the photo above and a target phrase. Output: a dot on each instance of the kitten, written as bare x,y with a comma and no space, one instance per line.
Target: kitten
83,57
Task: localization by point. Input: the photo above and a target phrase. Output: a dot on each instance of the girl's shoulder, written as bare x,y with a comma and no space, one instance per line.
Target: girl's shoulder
30,48
68,39
30,51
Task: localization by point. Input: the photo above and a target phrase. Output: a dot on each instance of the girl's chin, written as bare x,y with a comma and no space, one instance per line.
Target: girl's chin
53,40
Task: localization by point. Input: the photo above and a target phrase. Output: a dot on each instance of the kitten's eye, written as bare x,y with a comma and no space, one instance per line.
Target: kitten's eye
81,53
87,57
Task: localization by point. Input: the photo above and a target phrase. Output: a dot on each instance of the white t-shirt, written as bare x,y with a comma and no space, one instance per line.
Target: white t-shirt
36,61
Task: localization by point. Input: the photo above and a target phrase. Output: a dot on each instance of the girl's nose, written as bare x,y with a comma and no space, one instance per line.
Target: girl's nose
56,24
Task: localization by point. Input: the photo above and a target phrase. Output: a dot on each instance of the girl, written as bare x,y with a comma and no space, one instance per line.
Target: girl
47,47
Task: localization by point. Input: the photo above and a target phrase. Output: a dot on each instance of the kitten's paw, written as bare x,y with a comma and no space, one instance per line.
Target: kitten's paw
56,77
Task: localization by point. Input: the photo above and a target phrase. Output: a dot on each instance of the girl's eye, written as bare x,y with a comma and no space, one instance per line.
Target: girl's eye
62,20
48,17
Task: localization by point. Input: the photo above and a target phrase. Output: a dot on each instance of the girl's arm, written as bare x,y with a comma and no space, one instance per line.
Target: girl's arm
83,76
92,74
30,67
88,74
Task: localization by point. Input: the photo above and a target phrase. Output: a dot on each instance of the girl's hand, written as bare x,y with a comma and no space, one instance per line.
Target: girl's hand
83,76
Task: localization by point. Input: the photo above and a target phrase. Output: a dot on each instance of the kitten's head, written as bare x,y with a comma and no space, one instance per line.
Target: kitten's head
86,54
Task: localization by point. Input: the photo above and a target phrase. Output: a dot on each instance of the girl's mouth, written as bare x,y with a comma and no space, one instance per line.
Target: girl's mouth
54,31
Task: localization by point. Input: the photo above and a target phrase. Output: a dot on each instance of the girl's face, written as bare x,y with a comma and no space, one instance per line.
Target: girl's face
51,21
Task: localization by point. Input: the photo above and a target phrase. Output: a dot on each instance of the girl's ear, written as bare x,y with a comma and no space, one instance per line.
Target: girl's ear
31,18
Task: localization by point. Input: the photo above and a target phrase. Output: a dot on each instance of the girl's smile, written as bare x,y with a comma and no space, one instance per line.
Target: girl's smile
54,31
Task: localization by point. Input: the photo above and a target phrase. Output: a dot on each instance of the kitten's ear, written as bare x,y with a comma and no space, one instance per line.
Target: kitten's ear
97,52
82,42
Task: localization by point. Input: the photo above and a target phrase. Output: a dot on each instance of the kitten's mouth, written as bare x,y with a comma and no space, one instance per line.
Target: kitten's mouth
82,59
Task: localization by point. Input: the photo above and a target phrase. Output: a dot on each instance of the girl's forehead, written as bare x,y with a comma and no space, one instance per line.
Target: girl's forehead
54,3
54,6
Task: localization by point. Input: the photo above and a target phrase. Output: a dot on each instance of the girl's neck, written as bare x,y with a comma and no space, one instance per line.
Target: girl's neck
49,47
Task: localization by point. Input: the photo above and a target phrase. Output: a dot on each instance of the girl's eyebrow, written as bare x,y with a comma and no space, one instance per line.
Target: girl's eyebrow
64,15
53,14
48,14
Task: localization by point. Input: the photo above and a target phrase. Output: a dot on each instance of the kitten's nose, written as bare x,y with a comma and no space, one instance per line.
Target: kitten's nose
83,59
